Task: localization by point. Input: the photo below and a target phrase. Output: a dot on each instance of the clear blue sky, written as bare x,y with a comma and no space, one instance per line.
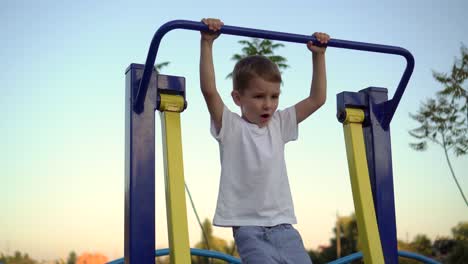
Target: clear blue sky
62,132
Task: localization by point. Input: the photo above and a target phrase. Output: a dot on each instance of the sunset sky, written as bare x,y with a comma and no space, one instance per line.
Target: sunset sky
62,134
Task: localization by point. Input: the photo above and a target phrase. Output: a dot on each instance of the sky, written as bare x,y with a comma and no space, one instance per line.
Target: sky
62,133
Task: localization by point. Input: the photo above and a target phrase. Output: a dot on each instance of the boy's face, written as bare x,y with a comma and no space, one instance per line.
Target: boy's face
258,101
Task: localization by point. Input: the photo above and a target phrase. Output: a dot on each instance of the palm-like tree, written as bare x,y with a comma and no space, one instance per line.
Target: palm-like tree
160,66
263,47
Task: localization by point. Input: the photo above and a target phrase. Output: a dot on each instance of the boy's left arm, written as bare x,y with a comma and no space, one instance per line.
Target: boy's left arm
318,88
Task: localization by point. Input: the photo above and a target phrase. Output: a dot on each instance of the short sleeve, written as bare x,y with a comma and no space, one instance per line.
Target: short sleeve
288,124
226,125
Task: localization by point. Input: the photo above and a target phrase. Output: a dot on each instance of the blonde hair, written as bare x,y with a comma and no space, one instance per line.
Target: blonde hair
251,67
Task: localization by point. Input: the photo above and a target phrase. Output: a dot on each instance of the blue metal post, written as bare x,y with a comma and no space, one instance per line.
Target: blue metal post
379,161
139,171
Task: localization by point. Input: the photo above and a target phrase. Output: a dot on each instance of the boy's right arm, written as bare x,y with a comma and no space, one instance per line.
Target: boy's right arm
207,75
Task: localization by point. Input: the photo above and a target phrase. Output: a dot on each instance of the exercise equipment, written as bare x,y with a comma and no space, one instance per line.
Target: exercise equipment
366,117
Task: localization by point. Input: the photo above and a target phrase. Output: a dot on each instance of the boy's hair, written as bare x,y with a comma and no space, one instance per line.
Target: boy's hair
251,67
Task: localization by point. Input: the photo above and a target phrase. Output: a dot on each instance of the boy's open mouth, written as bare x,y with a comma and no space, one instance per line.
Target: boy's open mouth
265,115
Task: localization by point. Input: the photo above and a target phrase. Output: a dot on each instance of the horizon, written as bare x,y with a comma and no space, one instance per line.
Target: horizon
63,134
95,253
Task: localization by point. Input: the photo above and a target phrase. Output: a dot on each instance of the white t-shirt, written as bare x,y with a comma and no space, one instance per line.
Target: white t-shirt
254,187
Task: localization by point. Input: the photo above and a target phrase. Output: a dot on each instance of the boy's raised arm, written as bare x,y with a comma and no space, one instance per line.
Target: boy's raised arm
207,75
318,88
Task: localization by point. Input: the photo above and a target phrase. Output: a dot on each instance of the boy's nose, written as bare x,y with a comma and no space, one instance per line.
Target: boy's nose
267,104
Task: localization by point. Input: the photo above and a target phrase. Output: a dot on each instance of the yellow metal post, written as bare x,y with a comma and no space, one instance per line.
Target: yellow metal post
369,237
171,106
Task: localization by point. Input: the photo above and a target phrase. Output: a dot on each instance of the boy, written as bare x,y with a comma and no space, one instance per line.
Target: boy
254,196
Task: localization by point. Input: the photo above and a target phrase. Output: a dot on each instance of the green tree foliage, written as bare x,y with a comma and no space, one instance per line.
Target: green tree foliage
17,258
446,250
423,245
459,252
264,47
160,66
442,246
215,243
406,247
443,120
460,232
71,258
348,235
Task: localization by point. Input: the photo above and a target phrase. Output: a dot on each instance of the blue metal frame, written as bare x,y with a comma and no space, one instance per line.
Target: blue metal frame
194,252
232,260
170,85
387,108
404,254
379,162
139,171
141,102
203,253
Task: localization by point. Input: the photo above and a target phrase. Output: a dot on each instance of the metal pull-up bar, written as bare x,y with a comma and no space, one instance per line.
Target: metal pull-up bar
389,107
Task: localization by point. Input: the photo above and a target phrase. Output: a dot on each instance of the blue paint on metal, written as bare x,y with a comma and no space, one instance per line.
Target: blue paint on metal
350,100
388,108
203,253
230,259
193,252
358,255
379,162
169,84
415,256
139,172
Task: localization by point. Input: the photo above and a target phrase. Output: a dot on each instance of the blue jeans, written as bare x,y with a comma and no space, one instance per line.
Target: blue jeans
276,244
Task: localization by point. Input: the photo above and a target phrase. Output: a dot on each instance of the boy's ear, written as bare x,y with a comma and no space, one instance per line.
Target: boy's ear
236,97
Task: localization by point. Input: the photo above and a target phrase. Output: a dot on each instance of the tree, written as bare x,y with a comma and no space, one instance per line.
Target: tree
18,258
263,47
422,245
348,236
460,232
459,252
442,247
215,243
444,120
161,65
71,258
406,247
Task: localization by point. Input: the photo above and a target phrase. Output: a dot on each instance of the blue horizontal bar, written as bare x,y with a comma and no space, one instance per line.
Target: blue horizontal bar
423,259
194,252
404,254
233,260
273,35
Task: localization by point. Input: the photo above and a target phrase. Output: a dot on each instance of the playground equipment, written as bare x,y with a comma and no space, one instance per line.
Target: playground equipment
366,117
